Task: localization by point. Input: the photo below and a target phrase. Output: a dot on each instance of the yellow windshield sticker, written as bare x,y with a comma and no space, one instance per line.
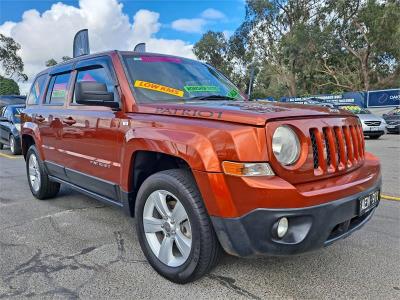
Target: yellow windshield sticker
158,87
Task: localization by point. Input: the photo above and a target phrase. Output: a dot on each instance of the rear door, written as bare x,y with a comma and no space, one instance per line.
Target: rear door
50,119
92,139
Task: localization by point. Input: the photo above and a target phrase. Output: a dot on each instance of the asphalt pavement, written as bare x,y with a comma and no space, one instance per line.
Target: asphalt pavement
75,247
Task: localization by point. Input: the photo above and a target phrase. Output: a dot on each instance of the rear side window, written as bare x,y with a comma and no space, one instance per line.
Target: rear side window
37,90
97,74
58,89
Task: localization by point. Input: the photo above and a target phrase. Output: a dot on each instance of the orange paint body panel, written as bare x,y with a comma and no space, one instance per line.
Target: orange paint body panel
101,143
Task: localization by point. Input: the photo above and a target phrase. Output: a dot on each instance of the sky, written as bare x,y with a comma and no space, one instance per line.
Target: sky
45,28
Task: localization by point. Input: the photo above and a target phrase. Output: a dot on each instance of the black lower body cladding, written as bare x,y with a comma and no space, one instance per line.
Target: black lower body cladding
310,228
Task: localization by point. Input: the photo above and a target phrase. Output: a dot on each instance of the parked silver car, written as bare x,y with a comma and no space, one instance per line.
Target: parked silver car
373,126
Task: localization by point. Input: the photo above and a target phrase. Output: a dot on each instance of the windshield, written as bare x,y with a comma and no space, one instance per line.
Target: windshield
355,109
172,79
394,112
16,114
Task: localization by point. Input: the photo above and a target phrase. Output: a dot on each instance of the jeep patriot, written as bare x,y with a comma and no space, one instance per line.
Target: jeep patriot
174,143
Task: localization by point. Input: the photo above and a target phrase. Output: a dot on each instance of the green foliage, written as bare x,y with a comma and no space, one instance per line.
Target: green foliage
304,47
213,48
11,62
52,62
8,86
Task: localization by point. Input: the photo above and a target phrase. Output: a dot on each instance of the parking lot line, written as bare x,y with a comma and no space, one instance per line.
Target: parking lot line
9,156
390,197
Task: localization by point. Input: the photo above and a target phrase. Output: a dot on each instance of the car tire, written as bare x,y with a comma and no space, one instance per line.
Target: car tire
180,265
1,146
38,178
14,146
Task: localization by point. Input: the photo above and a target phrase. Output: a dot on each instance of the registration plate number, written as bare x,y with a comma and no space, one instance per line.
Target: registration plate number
390,126
366,203
374,128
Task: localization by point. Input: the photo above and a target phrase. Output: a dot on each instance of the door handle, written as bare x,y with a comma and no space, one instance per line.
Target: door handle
69,121
39,118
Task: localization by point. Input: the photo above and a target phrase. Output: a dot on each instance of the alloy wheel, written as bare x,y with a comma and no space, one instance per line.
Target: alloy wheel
167,228
34,172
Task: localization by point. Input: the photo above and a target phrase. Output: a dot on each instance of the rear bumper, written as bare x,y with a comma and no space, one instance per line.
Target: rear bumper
310,228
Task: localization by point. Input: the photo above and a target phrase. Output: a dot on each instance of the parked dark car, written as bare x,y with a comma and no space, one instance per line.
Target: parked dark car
392,119
10,126
11,100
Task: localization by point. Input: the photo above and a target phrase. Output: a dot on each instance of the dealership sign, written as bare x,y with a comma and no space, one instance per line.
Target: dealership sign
351,98
379,98
383,98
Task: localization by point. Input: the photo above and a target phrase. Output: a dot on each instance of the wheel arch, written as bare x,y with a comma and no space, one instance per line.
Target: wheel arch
142,165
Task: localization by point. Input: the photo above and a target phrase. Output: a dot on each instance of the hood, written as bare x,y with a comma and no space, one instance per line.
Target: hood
370,117
246,112
391,118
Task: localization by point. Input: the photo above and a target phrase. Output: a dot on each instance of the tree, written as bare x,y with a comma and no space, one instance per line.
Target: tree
303,47
52,62
213,48
369,32
8,86
11,62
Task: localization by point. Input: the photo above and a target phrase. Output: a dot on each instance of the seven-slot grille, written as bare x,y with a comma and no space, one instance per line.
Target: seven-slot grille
372,123
336,148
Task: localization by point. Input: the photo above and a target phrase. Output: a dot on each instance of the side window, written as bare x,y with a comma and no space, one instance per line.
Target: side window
96,74
8,113
37,90
58,89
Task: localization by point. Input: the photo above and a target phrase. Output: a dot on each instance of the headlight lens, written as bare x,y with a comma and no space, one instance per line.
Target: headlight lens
18,126
286,145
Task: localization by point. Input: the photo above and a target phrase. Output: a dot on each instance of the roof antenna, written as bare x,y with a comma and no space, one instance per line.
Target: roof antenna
141,47
81,43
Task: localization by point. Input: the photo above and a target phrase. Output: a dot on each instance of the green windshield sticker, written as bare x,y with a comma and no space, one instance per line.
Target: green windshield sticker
232,93
201,88
58,94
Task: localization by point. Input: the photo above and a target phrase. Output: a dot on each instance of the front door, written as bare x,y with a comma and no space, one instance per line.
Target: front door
91,137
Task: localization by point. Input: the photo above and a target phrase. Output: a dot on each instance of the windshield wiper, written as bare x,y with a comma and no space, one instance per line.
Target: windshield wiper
210,97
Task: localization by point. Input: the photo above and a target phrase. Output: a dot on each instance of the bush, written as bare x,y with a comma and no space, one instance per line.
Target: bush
8,86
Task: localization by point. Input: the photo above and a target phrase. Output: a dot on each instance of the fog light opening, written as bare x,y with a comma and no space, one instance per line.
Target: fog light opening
282,228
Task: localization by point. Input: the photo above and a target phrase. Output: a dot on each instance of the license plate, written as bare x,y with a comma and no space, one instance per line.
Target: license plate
366,203
391,126
374,128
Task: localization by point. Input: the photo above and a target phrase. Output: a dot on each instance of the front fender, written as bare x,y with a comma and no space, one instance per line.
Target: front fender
198,151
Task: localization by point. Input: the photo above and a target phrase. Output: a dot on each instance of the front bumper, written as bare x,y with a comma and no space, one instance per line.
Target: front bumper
393,128
374,130
310,228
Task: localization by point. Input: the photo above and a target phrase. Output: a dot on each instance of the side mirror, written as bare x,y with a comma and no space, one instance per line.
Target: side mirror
3,119
94,93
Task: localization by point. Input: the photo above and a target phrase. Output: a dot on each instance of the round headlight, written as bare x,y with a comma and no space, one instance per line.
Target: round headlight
286,145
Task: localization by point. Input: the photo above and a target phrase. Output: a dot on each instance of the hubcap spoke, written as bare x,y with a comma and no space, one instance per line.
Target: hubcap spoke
152,225
165,253
161,204
183,243
34,173
179,213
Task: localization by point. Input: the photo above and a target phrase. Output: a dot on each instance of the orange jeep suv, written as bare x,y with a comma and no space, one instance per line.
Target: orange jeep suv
174,143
